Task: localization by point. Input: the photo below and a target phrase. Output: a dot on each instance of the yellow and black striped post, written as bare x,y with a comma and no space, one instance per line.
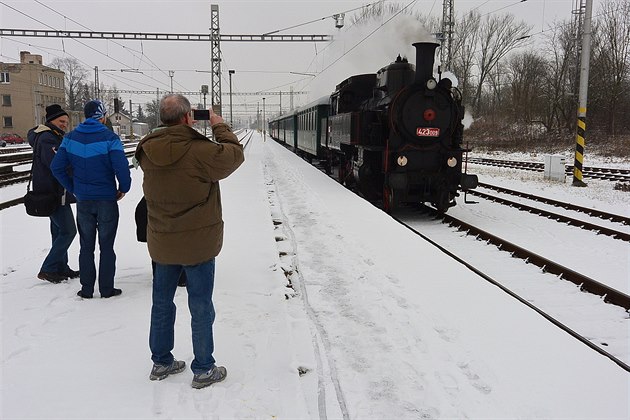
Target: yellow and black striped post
583,94
579,149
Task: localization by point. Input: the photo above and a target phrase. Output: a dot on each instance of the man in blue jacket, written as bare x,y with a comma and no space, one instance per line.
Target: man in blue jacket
100,177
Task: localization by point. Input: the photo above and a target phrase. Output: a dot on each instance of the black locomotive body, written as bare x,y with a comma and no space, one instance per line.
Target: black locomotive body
397,134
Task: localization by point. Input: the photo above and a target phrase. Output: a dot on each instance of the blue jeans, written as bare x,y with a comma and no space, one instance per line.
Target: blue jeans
101,217
199,285
63,230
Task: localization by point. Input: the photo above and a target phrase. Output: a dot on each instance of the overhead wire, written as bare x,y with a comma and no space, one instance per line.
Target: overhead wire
79,42
113,41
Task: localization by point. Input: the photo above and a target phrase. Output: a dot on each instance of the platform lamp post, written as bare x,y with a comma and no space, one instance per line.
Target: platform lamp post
171,73
231,72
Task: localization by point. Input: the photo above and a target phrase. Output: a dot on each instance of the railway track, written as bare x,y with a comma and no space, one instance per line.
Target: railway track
585,283
568,206
609,174
14,177
559,217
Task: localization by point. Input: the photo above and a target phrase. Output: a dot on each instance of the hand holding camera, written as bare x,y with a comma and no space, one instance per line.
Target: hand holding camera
207,114
215,119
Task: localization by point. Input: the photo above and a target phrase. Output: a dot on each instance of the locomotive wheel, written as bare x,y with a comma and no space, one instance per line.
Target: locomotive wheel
391,199
442,202
341,174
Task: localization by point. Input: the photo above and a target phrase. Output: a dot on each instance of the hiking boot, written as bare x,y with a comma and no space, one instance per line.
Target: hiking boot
71,274
115,292
83,295
51,277
160,372
202,380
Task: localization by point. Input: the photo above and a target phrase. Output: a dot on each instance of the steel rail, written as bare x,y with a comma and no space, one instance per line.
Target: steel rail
555,216
563,204
522,300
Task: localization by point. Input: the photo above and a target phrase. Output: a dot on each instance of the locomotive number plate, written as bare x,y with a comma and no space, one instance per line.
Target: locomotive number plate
427,132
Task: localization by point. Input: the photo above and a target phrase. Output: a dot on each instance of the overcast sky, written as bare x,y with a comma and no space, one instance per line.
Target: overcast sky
258,66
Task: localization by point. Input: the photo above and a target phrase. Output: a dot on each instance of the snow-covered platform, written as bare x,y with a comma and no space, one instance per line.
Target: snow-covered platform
378,324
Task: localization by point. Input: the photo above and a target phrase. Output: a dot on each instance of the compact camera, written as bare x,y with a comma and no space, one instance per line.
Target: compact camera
201,114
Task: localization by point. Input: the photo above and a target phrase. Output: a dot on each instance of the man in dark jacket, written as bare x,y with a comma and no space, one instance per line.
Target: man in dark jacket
97,159
182,169
45,140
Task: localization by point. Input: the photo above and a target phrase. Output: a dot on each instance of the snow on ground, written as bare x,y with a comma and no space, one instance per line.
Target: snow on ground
378,324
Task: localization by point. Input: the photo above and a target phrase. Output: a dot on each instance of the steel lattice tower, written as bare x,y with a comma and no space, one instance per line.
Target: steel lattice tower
215,64
446,52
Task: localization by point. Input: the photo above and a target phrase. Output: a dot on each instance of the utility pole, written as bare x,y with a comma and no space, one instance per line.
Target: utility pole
157,110
130,120
231,72
583,95
264,122
291,98
204,91
96,83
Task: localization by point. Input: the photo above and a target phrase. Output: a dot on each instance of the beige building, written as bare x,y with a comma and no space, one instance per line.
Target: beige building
26,89
122,125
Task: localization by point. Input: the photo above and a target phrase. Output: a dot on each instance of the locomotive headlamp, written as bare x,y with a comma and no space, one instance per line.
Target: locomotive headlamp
402,160
451,162
431,84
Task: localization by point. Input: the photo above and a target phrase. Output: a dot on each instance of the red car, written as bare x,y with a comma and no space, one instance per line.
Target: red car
11,138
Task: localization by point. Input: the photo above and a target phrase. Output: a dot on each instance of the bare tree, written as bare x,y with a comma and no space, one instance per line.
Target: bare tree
75,75
465,42
610,65
525,94
559,82
499,34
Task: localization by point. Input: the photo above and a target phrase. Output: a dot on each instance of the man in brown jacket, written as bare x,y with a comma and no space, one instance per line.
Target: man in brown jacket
182,169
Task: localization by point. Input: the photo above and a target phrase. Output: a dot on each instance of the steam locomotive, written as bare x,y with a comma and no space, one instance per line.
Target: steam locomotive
395,135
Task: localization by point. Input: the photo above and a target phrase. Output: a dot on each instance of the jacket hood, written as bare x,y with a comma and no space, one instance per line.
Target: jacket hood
167,145
33,132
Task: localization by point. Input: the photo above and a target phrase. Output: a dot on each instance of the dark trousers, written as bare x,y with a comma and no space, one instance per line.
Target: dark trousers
62,230
97,217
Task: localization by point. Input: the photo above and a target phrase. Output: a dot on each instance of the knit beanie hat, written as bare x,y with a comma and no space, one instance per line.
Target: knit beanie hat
95,109
54,111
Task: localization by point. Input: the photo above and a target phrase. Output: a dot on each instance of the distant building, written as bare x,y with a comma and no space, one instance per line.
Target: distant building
26,89
121,125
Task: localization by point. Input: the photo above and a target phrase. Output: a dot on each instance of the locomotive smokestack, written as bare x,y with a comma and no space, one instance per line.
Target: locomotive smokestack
425,57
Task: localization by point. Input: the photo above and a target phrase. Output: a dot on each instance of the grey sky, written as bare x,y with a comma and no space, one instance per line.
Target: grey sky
256,64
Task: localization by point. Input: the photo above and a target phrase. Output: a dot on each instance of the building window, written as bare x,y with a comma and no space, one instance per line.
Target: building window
6,100
8,122
4,77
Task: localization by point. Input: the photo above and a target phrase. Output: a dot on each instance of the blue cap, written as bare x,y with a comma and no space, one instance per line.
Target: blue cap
95,109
